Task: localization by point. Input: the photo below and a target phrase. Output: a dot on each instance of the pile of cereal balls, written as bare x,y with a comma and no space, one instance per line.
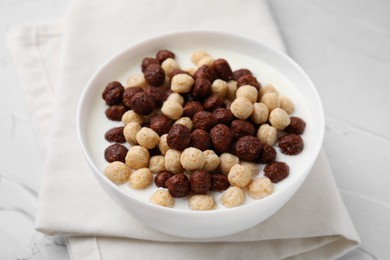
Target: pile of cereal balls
200,130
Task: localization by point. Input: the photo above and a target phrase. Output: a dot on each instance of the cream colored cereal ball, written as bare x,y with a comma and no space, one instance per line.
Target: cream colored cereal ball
260,187
117,172
172,109
241,108
253,167
219,87
157,163
136,80
208,60
239,176
286,104
279,118
130,132
182,83
162,198
228,160
201,202
260,113
192,159
141,179
131,116
211,162
176,98
271,100
267,89
247,91
191,70
137,157
185,121
267,134
232,89
172,161
147,137
234,196
169,65
163,145
198,55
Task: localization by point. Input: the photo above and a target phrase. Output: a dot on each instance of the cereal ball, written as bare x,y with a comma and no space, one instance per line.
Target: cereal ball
157,163
232,89
163,145
247,148
267,134
201,202
192,159
115,152
203,120
223,69
128,93
200,182
206,72
162,55
219,87
117,172
147,138
201,88
241,72
137,157
177,72
154,75
172,109
296,126
130,132
206,61
186,121
162,198
159,94
260,113
267,154
178,137
213,102
182,83
141,179
240,128
211,162
198,55
161,178
219,182
115,112
131,116
221,138
233,197
169,65
248,80
115,135
260,187
223,116
178,185
279,118
228,160
286,104
172,161
136,80
161,124
200,139
175,97
242,108
142,103
112,93
276,171
253,167
267,89
191,107
147,61
239,176
190,70
271,100
291,144
247,91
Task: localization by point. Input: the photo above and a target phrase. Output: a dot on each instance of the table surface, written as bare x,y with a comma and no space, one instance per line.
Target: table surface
345,48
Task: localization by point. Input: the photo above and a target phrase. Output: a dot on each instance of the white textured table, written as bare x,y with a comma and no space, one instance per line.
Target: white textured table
345,48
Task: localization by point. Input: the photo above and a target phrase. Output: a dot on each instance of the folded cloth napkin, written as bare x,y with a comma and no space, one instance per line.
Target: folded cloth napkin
314,224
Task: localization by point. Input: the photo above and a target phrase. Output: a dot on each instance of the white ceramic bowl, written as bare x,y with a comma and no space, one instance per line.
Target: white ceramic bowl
268,64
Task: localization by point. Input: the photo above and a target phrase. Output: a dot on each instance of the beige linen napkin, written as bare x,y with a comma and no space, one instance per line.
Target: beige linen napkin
313,224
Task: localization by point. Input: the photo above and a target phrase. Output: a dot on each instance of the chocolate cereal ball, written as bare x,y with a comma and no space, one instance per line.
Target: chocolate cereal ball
178,137
201,88
219,182
223,69
154,75
115,152
191,107
206,72
162,55
161,124
248,80
213,102
112,93
239,73
178,185
115,135
200,139
142,103
296,126
291,144
200,182
241,128
221,138
267,154
115,112
223,116
161,178
248,148
147,61
128,93
159,94
276,171
203,120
